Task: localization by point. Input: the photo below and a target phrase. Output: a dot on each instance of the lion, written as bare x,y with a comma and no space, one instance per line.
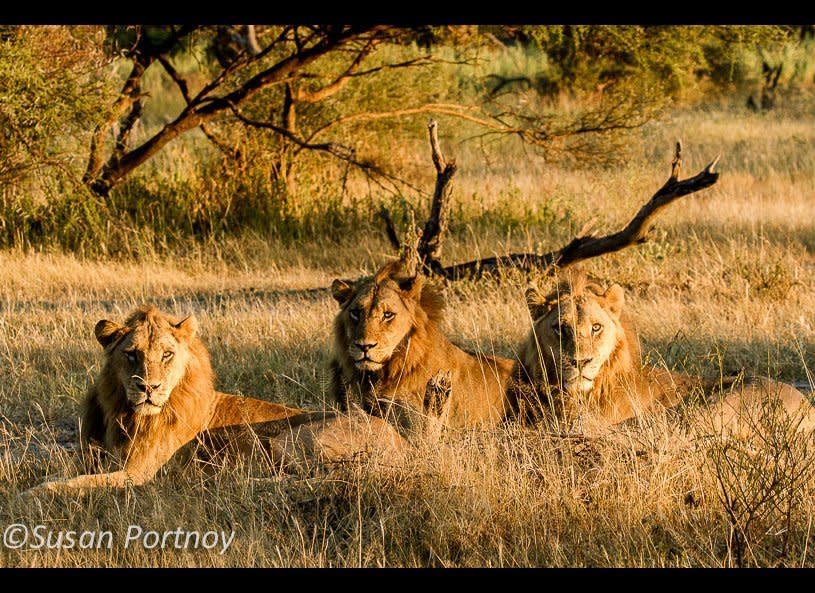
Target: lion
583,359
388,347
156,393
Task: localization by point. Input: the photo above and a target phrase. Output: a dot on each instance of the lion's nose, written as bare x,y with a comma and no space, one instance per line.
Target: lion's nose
146,387
579,362
365,346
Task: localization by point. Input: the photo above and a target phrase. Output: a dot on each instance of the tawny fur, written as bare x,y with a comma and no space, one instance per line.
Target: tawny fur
624,387
144,443
420,351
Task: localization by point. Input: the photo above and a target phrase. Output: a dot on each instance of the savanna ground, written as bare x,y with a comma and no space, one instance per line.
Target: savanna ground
726,283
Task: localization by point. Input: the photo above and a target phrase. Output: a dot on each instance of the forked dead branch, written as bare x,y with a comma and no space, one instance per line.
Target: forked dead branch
584,246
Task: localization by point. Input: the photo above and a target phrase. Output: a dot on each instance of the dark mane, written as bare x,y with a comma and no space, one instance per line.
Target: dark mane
432,303
576,283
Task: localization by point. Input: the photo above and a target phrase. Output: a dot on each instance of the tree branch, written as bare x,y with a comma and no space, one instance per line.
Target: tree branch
341,152
221,145
304,96
289,110
585,245
183,87
390,228
452,109
177,78
335,149
435,228
414,62
129,121
200,112
128,94
284,68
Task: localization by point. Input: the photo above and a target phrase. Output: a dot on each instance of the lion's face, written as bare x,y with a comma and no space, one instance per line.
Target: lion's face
376,316
577,331
149,356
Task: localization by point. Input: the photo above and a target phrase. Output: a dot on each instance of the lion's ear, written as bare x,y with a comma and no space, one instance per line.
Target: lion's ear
107,332
615,297
537,302
412,286
341,291
187,328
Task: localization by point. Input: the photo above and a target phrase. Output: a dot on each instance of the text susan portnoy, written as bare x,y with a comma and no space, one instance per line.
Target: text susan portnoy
42,537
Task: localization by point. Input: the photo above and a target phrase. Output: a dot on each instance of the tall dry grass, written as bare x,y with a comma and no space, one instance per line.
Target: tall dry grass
726,283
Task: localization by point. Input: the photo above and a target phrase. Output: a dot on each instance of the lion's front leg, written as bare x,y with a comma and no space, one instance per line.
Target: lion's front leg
339,387
84,483
142,463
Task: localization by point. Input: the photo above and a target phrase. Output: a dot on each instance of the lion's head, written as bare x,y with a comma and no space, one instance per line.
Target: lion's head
149,356
377,315
579,336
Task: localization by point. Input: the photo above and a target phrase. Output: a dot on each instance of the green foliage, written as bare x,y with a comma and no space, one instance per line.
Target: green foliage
578,58
50,96
572,91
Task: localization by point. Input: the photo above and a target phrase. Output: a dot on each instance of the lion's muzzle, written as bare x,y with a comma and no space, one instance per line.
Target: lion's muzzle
366,364
578,375
360,353
146,398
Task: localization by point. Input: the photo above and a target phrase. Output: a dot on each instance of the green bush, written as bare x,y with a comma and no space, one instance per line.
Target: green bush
560,84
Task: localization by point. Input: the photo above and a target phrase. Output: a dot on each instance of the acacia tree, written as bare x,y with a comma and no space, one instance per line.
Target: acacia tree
282,71
279,57
271,79
306,89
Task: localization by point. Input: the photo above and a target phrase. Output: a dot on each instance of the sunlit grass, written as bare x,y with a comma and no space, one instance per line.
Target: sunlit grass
725,284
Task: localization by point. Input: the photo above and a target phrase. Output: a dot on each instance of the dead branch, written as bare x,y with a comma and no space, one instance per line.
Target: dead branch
584,246
390,228
435,228
409,255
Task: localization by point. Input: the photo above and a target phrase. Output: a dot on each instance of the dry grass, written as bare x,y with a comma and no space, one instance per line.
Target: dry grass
727,283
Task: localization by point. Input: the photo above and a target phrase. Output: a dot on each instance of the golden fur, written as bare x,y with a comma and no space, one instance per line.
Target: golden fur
156,393
388,345
582,359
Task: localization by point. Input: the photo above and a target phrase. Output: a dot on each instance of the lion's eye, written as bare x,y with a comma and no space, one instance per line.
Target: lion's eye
388,315
354,314
167,356
131,356
595,329
556,328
